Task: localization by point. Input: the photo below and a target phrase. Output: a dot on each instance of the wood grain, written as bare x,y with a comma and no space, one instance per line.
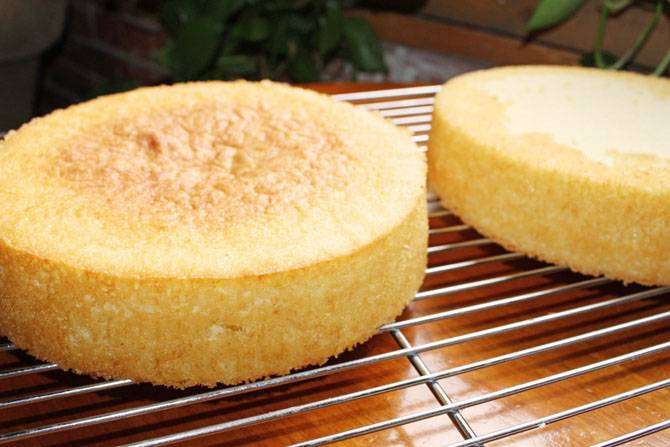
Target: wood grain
578,431
578,33
465,41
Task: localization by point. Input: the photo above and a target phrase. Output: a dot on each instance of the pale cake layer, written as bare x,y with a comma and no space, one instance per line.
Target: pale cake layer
594,114
206,233
537,159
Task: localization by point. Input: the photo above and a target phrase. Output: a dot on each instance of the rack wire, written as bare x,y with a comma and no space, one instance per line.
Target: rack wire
538,311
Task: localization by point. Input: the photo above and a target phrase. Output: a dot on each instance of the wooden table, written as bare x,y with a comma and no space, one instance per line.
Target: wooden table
586,429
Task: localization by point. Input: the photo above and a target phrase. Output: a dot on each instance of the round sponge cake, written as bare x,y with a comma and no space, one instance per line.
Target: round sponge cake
206,233
569,165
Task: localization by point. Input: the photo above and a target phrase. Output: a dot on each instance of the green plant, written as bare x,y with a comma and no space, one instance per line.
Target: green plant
550,13
254,39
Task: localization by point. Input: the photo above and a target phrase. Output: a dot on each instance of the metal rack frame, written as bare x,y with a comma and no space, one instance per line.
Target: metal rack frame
409,107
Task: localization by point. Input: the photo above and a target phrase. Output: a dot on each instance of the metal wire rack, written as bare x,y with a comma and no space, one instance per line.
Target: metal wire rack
557,354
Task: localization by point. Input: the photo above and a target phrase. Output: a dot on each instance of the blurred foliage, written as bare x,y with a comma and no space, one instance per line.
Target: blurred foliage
112,86
402,6
549,13
278,39
288,40
589,59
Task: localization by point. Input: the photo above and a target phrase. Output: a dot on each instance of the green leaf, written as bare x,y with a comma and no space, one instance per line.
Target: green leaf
302,68
223,9
235,66
162,55
285,30
616,6
279,38
174,13
662,66
549,13
299,23
589,59
194,48
330,29
364,47
253,29
285,5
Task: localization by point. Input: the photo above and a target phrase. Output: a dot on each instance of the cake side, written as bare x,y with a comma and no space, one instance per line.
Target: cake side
181,332
534,194
207,233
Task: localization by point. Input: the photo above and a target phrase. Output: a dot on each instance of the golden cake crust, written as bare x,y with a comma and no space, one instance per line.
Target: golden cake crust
548,199
179,181
115,262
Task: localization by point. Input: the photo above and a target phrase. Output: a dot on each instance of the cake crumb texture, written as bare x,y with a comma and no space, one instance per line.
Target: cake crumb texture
574,195
207,233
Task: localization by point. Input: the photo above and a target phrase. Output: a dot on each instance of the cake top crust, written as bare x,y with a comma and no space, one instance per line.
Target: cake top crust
200,180
601,122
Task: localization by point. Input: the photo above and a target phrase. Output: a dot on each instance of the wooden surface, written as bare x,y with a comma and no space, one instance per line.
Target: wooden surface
465,41
509,17
583,430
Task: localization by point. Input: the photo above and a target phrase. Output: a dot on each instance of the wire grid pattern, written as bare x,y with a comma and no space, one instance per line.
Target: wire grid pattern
411,108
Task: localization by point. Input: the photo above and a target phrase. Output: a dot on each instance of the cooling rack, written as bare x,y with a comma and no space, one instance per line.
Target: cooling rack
496,349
